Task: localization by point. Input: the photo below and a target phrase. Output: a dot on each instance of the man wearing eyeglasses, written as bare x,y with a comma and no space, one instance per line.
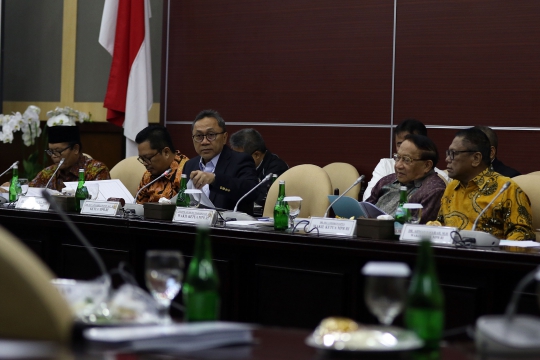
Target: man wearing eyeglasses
475,185
222,174
414,168
65,143
157,154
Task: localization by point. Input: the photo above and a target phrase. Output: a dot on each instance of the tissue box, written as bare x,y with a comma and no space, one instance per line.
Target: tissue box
375,229
66,203
159,211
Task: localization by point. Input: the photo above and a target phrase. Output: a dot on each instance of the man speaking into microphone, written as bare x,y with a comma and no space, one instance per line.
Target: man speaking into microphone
222,174
475,185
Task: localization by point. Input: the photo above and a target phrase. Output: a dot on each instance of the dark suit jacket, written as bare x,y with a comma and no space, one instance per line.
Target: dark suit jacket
498,166
235,176
270,164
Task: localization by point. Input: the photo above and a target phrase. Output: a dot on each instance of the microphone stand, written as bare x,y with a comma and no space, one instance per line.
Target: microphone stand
359,180
9,168
167,172
266,178
503,189
54,173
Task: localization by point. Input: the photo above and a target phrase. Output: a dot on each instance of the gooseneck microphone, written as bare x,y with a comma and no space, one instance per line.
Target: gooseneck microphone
503,189
9,168
76,231
266,178
356,182
167,172
55,171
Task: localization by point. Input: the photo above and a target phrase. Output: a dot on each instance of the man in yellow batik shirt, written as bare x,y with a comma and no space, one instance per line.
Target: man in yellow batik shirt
475,185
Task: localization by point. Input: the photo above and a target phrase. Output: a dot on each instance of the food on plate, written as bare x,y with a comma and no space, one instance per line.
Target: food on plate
336,325
434,223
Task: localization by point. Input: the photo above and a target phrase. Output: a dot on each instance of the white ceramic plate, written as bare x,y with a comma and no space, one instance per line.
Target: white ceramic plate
368,339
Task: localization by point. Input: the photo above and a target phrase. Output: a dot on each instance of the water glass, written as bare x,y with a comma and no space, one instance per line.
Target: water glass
385,289
295,205
415,212
164,273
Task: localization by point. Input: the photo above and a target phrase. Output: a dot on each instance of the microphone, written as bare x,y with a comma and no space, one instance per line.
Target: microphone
55,171
266,178
481,238
167,172
76,231
503,189
356,182
9,168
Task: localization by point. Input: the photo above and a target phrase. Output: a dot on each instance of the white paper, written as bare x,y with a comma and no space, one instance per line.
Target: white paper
204,200
107,189
519,243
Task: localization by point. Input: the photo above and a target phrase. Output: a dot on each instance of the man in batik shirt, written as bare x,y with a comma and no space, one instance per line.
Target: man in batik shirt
475,185
157,154
65,143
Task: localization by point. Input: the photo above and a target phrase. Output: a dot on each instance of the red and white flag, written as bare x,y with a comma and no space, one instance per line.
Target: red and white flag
125,34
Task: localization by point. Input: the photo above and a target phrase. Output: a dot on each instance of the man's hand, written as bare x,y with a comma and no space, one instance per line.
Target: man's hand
200,178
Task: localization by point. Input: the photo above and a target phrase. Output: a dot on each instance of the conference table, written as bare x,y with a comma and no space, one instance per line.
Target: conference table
281,279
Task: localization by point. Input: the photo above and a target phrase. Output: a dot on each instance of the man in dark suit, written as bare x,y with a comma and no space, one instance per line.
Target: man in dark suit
252,143
496,164
222,174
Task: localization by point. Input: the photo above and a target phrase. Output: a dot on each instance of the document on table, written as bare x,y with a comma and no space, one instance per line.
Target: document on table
106,189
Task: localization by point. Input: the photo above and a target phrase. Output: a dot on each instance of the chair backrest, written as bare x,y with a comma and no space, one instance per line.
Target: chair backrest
342,176
529,184
130,172
310,182
30,306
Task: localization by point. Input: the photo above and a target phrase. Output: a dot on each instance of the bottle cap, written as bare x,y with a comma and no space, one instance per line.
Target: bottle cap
403,188
412,206
281,182
183,176
383,268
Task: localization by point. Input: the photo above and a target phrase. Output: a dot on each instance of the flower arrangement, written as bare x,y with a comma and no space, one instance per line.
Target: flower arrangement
28,124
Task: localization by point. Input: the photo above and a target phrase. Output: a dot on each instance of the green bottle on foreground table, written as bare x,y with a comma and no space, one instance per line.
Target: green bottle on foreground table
15,189
200,292
81,193
281,210
424,312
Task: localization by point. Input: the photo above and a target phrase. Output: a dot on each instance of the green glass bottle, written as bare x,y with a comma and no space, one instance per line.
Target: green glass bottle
183,199
424,312
402,214
15,189
281,210
200,293
81,193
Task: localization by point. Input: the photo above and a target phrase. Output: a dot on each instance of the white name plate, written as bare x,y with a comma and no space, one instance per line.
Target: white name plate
195,216
332,226
103,208
32,203
438,234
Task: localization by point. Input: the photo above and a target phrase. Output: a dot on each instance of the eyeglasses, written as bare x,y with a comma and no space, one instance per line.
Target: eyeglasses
144,160
452,153
210,137
56,153
407,160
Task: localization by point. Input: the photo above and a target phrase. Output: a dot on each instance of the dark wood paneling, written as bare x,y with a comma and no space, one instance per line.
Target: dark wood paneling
309,61
468,62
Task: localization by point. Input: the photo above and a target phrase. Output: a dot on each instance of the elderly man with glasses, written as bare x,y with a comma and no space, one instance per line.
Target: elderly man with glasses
475,185
414,168
157,154
65,143
222,174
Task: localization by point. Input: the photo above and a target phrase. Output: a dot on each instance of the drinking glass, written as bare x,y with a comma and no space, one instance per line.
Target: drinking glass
93,191
24,185
415,212
385,289
164,278
295,204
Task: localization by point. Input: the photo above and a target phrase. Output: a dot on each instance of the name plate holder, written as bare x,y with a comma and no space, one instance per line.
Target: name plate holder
102,208
32,203
195,216
341,227
437,234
